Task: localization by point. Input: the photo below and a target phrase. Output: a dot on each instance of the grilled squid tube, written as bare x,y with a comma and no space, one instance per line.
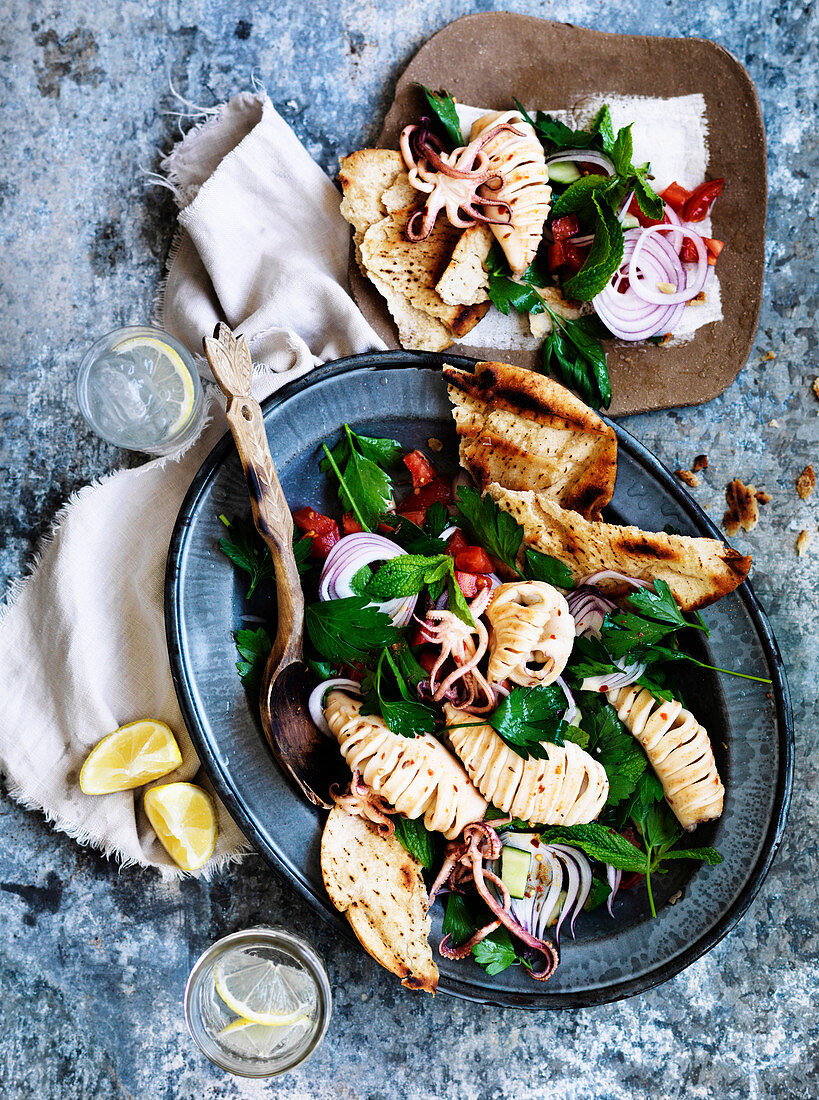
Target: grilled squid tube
679,751
520,159
416,775
532,633
568,788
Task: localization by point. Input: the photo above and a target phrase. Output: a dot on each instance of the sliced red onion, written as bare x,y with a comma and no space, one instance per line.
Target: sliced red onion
614,680
571,708
315,704
353,552
625,206
651,243
613,575
583,156
576,863
614,877
626,314
588,607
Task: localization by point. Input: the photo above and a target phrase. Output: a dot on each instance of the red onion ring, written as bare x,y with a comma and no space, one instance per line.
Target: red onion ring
627,315
315,704
353,552
649,237
614,877
613,575
583,156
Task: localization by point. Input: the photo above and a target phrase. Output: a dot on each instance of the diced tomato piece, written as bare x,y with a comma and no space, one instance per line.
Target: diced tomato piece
588,169
467,582
699,204
483,582
415,517
575,258
473,559
644,219
323,530
427,659
688,251
556,255
565,227
714,248
676,197
420,468
630,879
439,491
349,524
353,672
456,543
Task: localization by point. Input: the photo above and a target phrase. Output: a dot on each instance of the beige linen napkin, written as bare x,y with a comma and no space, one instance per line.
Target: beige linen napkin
82,639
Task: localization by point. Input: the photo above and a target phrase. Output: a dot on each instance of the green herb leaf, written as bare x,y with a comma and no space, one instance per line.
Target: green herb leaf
496,953
708,855
493,813
616,749
457,922
647,792
436,519
543,567
301,551
604,126
408,666
556,135
366,489
415,837
600,843
622,150
530,718
411,537
247,551
442,105
348,630
604,258
404,716
623,631
578,196
598,893
504,291
457,602
386,453
659,604
322,670
406,576
647,198
254,648
572,350
576,734
492,528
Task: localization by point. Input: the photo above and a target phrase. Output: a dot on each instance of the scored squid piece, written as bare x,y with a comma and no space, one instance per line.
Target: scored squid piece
532,633
416,775
679,751
569,787
518,157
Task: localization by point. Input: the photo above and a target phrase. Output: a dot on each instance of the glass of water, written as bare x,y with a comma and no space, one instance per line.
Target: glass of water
139,388
258,1002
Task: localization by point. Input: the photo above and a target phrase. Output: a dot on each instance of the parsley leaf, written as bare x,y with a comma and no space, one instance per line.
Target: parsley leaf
365,488
616,749
543,567
301,551
457,922
574,352
660,605
529,718
601,843
247,551
348,630
505,291
404,716
443,106
457,602
411,537
322,670
386,453
436,519
497,953
492,528
623,631
254,648
648,790
417,840
408,666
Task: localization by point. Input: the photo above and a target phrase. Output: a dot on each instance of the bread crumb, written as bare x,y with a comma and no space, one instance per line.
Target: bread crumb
762,496
690,479
675,898
665,339
806,482
802,541
815,387
699,463
743,511
768,356
435,445
773,423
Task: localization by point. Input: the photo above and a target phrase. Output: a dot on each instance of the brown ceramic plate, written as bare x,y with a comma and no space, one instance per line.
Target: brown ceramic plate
487,59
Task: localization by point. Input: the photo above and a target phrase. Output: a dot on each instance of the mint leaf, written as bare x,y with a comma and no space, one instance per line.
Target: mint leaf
604,126
417,840
601,843
411,537
622,150
578,196
576,734
442,104
457,922
348,630
598,893
247,550
406,575
708,855
254,648
604,258
457,602
492,528
543,567
572,350
647,198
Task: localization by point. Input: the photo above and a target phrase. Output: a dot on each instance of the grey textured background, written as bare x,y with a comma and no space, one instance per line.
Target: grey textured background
93,960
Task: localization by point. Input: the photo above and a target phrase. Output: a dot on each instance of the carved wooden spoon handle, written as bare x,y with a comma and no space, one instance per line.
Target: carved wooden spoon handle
232,368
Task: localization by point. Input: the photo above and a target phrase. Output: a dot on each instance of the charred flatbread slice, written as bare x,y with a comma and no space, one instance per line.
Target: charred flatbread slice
698,571
465,280
524,431
379,886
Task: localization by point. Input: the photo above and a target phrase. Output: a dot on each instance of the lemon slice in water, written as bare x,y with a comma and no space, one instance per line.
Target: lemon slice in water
258,990
170,377
184,819
132,755
261,1040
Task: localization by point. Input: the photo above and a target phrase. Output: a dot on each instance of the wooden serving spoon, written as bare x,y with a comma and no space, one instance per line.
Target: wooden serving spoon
301,750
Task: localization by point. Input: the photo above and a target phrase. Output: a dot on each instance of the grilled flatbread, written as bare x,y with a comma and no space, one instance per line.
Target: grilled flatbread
698,571
524,431
378,885
465,280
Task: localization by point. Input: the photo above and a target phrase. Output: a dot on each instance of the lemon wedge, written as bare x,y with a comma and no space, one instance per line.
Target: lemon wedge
169,377
257,991
132,755
184,819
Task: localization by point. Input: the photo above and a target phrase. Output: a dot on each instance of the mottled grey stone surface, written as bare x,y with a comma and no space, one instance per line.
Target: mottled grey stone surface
93,960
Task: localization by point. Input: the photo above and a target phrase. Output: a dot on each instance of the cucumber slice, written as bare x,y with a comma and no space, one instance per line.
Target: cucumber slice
564,171
515,866
630,222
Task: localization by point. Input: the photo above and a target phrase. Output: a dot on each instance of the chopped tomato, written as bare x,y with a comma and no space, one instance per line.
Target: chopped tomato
456,543
473,559
415,517
349,524
483,582
420,468
323,530
565,227
699,204
644,219
427,659
676,197
574,258
467,582
688,251
556,255
714,248
418,636
439,490
630,879
353,672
